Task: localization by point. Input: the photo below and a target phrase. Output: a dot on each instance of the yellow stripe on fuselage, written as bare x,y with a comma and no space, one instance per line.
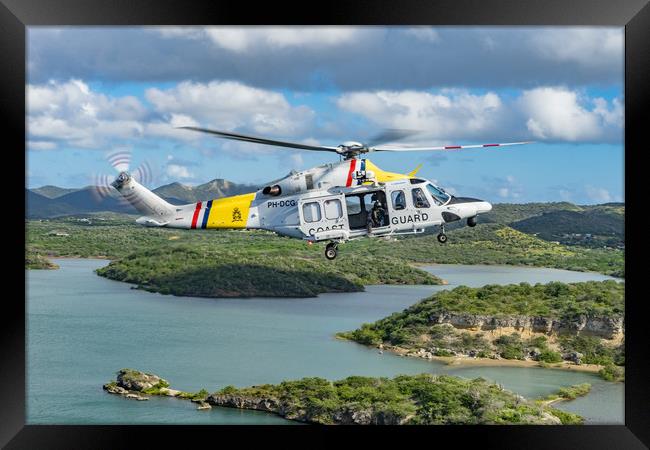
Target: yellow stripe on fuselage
230,212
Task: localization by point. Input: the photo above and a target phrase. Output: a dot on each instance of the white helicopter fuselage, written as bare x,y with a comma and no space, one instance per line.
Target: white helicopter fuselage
333,202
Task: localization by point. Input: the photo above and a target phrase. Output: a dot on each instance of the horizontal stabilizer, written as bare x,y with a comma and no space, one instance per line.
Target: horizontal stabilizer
149,222
414,171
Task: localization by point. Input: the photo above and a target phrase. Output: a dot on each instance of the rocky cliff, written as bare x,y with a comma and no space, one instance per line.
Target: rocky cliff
344,416
604,327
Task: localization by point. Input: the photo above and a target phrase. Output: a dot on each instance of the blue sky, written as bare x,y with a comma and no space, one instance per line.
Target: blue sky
92,91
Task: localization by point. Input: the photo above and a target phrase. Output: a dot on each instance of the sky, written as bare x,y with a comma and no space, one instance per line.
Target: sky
93,91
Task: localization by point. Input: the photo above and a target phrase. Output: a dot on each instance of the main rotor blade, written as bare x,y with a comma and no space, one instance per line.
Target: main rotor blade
390,135
446,147
259,140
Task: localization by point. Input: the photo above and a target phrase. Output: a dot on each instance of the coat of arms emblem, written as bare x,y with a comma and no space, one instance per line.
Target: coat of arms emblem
236,215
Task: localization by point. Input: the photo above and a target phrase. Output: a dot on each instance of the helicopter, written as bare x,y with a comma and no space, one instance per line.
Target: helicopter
334,202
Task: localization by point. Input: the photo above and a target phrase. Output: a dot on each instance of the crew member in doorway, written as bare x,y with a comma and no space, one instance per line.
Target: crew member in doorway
376,215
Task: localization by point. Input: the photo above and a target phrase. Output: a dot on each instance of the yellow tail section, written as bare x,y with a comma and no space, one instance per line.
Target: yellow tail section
230,212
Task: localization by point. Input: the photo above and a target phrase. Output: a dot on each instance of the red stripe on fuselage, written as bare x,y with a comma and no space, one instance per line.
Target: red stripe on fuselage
353,162
195,217
452,147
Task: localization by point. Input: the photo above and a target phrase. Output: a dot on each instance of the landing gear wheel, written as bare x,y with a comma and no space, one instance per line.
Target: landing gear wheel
471,222
442,238
330,251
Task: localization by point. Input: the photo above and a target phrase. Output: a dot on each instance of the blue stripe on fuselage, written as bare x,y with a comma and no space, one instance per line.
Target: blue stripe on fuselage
206,214
363,169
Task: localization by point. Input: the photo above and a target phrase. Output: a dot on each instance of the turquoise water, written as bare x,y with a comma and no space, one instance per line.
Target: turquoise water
81,328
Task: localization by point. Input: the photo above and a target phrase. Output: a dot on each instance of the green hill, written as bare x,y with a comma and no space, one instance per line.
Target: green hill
497,244
591,226
594,227
507,213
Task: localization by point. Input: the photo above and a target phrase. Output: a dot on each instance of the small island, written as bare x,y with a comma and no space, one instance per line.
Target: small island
576,325
423,399
190,271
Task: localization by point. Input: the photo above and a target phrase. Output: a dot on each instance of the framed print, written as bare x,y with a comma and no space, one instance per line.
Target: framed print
243,219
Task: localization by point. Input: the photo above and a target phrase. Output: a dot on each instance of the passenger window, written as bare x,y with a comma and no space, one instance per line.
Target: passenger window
353,204
419,199
333,209
399,200
311,212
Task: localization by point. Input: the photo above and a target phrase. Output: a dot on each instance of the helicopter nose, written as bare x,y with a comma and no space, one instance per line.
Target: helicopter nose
464,208
483,207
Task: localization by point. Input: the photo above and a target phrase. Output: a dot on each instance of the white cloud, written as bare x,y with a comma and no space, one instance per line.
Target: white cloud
241,39
507,188
72,112
41,145
427,34
545,113
613,116
452,114
590,47
597,194
169,128
557,113
178,171
226,105
296,160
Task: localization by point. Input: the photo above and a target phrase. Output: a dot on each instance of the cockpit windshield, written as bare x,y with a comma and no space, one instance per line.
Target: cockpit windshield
438,194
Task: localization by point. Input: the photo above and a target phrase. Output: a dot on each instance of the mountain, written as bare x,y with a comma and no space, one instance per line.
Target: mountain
37,203
50,191
212,189
77,202
53,201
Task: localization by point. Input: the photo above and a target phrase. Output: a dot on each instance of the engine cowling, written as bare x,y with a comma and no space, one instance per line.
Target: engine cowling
273,191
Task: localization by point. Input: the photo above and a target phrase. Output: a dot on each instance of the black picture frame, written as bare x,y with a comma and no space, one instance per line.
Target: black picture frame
16,15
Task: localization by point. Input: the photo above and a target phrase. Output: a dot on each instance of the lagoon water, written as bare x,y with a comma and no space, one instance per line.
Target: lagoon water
82,328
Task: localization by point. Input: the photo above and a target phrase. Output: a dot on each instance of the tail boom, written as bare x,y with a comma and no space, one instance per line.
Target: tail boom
221,213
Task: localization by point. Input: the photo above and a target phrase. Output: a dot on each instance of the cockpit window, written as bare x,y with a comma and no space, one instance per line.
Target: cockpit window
439,196
419,199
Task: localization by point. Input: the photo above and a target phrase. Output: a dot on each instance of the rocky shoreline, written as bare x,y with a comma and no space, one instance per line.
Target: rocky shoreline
367,401
136,385
470,359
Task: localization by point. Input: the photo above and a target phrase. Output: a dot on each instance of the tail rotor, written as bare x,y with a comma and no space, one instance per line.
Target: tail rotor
120,160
